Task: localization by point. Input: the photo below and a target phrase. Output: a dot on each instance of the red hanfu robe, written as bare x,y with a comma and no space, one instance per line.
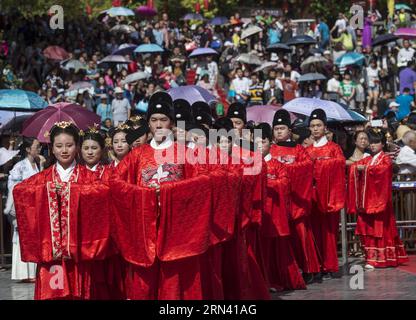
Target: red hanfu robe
328,200
59,231
300,171
370,196
170,241
244,270
281,267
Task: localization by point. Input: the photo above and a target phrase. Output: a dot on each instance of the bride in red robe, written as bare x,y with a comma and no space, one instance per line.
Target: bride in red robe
281,267
329,192
299,168
370,196
169,215
57,211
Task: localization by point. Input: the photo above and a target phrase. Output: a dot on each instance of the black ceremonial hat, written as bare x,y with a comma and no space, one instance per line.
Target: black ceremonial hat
318,114
282,117
237,110
160,102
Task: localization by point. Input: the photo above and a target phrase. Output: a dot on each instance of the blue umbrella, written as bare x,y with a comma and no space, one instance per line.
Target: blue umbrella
125,48
355,115
149,48
202,52
351,58
119,11
21,100
193,16
219,21
401,6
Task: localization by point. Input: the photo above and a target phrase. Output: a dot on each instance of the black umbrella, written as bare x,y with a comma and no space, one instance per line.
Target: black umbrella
384,39
301,40
277,47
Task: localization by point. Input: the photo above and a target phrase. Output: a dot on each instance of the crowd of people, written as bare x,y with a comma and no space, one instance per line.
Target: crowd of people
184,214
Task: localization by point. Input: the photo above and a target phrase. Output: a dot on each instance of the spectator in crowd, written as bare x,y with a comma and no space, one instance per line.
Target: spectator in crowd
406,160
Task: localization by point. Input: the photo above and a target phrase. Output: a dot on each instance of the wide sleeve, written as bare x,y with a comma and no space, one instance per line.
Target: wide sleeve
275,219
330,188
134,211
301,184
185,214
31,213
378,188
15,176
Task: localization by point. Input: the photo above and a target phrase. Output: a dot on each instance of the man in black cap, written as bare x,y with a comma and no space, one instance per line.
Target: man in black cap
163,239
183,119
238,115
299,167
279,259
329,191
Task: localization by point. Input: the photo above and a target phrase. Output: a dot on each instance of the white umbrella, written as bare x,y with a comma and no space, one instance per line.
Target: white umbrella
73,64
250,31
117,59
314,60
249,58
124,28
7,155
266,65
140,75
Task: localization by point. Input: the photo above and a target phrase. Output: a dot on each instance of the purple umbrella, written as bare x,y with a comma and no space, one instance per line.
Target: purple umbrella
146,11
193,16
192,94
124,49
202,52
265,114
42,121
407,33
117,59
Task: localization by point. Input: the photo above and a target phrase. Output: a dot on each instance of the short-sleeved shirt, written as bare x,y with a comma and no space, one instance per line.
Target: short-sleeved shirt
407,80
347,88
405,102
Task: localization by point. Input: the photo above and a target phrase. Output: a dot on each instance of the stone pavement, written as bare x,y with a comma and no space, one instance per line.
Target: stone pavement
378,284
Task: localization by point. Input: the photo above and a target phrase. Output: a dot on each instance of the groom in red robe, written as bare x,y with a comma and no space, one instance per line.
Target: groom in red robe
170,216
329,191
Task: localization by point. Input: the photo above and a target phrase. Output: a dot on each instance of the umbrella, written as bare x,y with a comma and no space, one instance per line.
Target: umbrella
249,58
313,60
250,31
305,106
300,40
146,11
192,94
219,21
41,122
311,77
140,75
266,65
149,48
20,100
7,155
202,52
55,53
117,59
80,85
265,114
384,39
355,115
193,16
13,121
123,28
124,49
351,58
401,6
119,11
277,47
73,64
406,33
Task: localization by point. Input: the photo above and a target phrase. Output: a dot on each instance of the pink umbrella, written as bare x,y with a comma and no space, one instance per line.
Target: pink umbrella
42,121
407,33
55,53
265,114
146,11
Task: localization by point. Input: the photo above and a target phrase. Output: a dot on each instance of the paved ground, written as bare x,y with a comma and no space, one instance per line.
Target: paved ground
379,284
